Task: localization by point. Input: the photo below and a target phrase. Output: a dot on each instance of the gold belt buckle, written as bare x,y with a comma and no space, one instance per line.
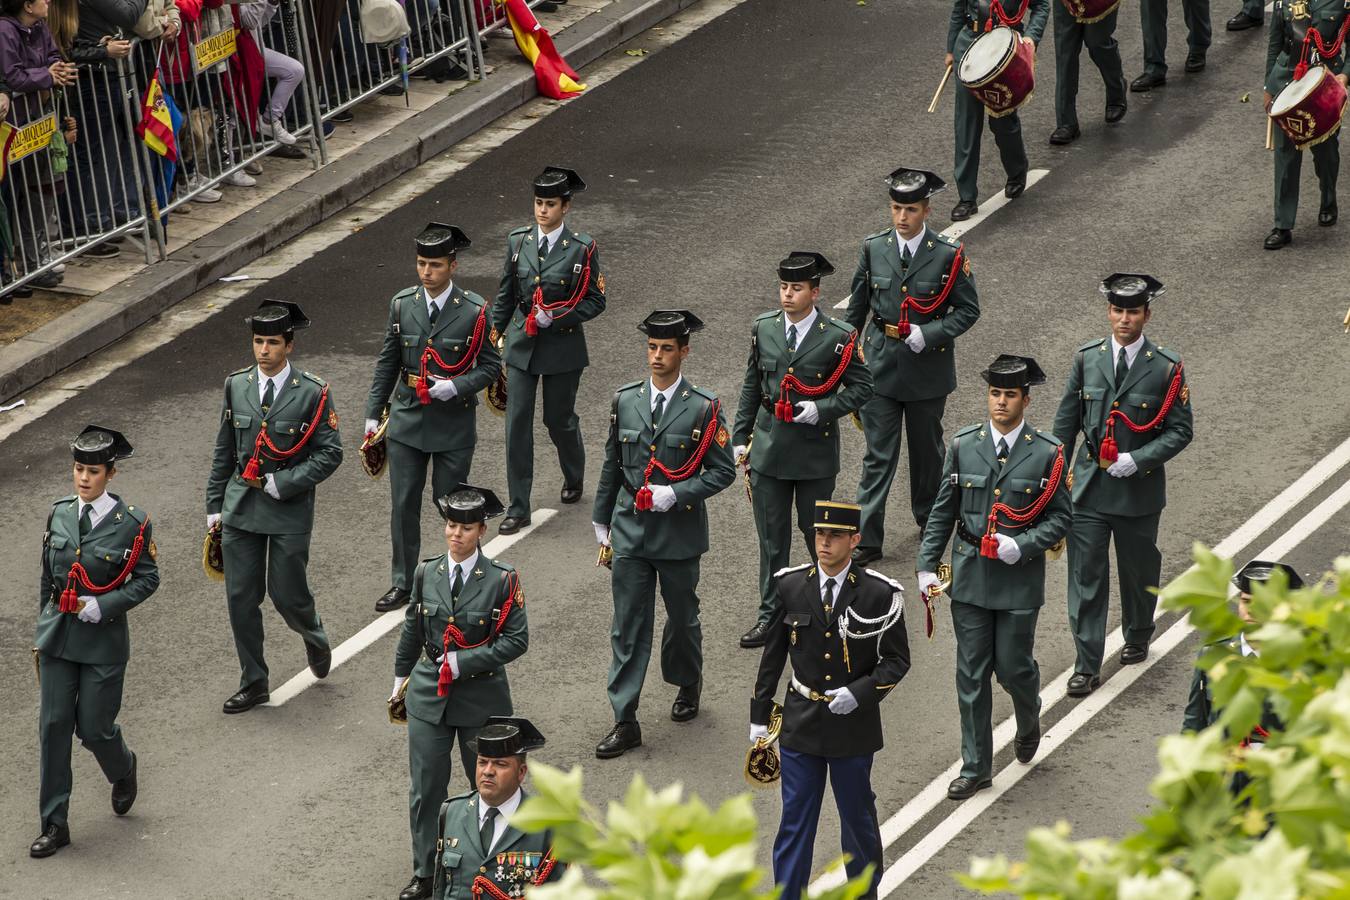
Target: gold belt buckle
892,331
412,381
252,482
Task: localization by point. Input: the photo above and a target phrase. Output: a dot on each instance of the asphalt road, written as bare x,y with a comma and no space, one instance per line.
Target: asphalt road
765,131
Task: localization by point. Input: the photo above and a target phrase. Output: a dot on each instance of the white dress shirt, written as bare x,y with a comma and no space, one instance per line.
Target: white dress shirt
803,327
439,300
504,814
102,505
278,381
668,393
913,244
466,567
1131,351
1010,437
838,582
552,237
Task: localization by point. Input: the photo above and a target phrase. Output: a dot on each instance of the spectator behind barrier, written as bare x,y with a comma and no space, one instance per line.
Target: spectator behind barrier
287,71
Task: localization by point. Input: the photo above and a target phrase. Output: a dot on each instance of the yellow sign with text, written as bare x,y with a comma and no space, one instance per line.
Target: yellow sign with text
214,48
32,137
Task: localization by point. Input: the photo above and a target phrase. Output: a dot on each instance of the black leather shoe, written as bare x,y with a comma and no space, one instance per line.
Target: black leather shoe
1147,82
1278,237
1063,134
570,495
1081,684
1195,61
755,637
624,736
124,791
1327,215
1025,748
1015,186
863,556
320,659
512,524
1115,112
964,788
247,698
417,889
685,706
964,210
51,840
1241,22
1133,653
393,599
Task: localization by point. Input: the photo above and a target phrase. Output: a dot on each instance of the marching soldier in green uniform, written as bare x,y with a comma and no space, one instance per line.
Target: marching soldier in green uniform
806,374
667,454
480,854
1072,34
551,283
1128,398
278,440
916,288
466,621
98,562
1004,490
437,355
1252,14
970,19
1299,32
1153,23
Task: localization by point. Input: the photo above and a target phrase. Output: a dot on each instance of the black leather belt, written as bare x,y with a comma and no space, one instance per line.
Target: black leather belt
965,534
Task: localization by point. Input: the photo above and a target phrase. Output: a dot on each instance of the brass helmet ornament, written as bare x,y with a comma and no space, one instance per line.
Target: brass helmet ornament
762,766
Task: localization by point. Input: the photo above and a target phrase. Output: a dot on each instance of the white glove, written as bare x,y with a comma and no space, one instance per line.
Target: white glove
543,319
454,663
1123,467
806,413
212,520
399,681
663,497
601,533
442,389
91,612
270,487
758,731
842,701
1008,551
915,340
927,581
738,454
372,426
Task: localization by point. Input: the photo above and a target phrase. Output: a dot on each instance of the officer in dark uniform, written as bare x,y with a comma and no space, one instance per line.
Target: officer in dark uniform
844,630
437,355
551,283
1153,23
1072,33
1252,14
98,562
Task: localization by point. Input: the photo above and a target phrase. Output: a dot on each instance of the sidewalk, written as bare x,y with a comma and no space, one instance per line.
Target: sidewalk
101,301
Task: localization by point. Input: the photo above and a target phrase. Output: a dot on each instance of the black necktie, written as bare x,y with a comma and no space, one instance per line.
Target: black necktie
828,602
659,409
1122,367
792,337
905,257
543,247
458,584
433,312
86,522
485,830
1002,451
269,394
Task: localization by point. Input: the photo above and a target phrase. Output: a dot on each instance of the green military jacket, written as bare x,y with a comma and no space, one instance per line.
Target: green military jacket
250,508
1089,397
103,552
972,481
879,287
441,425
794,450
970,17
513,864
1288,25
561,347
680,532
481,689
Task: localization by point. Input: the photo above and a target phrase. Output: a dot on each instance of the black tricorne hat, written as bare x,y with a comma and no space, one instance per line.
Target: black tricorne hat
913,185
1008,371
1260,570
555,181
469,505
1130,291
837,516
804,265
277,317
505,736
98,446
670,323
439,239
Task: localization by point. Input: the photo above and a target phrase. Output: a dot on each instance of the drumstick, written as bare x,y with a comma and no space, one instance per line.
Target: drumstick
932,107
1270,133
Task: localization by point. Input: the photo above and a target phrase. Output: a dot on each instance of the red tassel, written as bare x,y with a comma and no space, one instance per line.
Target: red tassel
446,676
643,500
69,602
1300,70
252,471
1110,452
423,392
531,326
989,545
902,327
782,410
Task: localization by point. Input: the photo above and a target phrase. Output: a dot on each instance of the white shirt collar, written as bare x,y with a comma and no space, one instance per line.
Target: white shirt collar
278,380
102,504
1010,437
668,393
439,299
468,565
803,327
551,237
504,814
1131,351
838,579
1246,648
913,243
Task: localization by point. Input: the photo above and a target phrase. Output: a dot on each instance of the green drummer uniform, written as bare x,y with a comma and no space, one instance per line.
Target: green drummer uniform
550,285
456,326
1072,34
1153,24
996,601
798,458
913,372
83,642
1124,501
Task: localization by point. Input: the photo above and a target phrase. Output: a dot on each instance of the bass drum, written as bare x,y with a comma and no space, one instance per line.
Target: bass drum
1309,110
999,70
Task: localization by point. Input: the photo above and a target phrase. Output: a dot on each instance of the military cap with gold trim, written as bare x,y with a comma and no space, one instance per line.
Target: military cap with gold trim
836,516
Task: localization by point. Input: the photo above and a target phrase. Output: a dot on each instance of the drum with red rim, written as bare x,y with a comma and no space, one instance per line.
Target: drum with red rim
1085,12
999,70
1309,109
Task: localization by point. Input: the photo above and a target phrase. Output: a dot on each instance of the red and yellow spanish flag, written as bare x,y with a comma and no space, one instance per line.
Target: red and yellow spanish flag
156,127
555,77
7,132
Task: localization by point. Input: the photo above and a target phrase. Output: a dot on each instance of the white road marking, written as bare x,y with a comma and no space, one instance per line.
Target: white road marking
935,792
956,229
394,618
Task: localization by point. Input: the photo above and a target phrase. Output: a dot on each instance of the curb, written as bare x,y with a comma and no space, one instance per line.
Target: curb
121,309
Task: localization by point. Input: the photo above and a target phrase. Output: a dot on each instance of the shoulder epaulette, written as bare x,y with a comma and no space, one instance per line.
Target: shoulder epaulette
837,323
475,299
629,386
969,428
781,572
949,241
521,230
239,371
583,238
1047,436
505,567
315,378
886,578
879,234
139,515
771,314
65,499
432,559
1091,345
1171,356
702,392
464,796
407,291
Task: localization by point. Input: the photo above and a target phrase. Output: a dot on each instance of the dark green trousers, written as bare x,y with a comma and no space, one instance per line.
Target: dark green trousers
634,583
1289,166
1153,22
1100,40
1255,9
1140,565
882,420
773,502
77,699
267,564
993,642
429,765
407,481
1007,130
560,418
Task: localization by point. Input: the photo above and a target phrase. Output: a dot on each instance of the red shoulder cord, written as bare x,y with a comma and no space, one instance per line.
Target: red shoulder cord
1023,516
454,638
783,409
642,501
483,885
1258,731
1109,452
996,12
538,305
1313,36
928,305
70,600
466,361
263,445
